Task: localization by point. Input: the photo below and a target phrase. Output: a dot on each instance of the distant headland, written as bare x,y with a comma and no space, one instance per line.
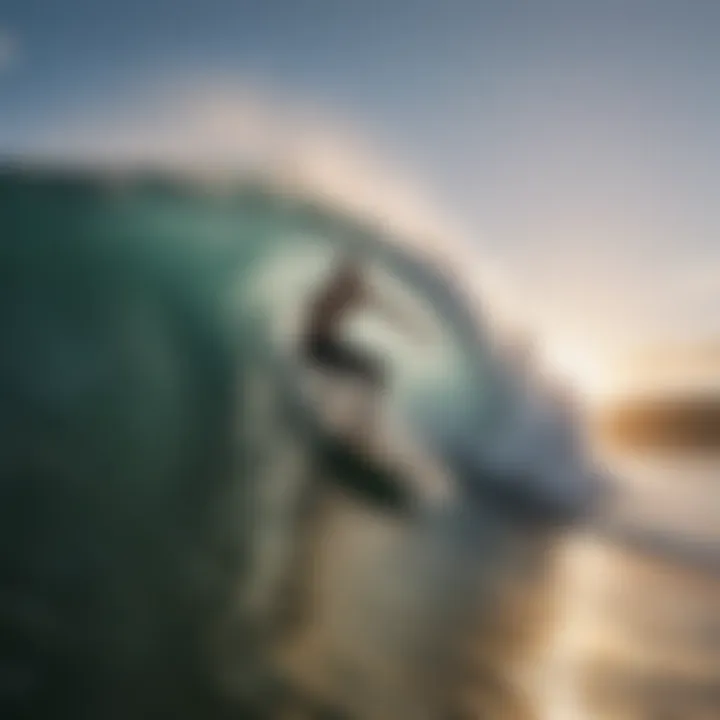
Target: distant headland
664,422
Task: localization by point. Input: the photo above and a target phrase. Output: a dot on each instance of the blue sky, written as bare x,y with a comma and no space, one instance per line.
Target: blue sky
577,142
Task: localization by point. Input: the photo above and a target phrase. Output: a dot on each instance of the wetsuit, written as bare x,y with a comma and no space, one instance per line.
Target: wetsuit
322,342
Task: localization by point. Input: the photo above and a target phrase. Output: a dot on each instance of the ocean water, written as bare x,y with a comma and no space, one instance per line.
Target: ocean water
640,634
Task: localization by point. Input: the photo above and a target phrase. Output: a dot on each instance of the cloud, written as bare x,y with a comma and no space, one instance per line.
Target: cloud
9,49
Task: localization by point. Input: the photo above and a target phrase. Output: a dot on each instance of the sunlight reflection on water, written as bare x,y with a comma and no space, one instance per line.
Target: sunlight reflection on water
640,637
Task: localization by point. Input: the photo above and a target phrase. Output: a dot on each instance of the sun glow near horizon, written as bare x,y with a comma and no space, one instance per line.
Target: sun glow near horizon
588,371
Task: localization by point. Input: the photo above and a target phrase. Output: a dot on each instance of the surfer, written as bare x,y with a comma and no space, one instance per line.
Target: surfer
397,469
344,292
323,347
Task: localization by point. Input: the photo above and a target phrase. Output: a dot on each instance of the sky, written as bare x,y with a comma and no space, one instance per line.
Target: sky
574,144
